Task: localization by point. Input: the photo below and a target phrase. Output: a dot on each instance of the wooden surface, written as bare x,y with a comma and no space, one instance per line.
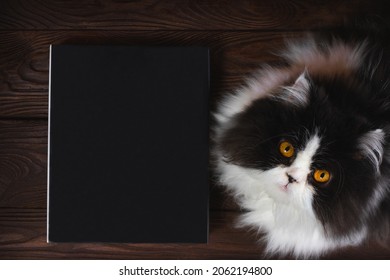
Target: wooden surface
240,34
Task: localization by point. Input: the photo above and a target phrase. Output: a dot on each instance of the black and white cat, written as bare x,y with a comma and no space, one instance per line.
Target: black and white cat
305,148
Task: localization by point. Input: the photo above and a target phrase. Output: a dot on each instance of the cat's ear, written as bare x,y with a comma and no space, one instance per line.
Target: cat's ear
298,93
371,147
303,82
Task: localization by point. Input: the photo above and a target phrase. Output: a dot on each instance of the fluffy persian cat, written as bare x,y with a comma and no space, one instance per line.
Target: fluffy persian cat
304,148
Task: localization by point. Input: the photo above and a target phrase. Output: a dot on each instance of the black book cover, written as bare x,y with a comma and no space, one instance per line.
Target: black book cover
128,144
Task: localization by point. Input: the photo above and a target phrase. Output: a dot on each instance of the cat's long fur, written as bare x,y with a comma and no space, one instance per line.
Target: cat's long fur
333,100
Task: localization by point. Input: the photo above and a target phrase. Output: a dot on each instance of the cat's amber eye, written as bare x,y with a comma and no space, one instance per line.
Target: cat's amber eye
321,175
286,149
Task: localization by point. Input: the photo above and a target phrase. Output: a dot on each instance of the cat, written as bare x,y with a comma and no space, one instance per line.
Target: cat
304,148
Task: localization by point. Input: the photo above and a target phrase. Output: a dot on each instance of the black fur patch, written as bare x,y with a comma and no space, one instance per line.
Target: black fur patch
340,111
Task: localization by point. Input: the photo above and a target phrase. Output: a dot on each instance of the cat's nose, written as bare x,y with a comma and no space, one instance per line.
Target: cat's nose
297,174
291,179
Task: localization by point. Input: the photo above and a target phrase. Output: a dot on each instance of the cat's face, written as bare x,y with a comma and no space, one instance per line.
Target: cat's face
300,148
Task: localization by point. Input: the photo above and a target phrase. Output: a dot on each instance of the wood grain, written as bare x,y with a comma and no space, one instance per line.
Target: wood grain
23,153
24,60
241,36
181,15
23,236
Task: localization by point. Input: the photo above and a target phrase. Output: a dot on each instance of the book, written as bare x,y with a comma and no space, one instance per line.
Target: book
128,144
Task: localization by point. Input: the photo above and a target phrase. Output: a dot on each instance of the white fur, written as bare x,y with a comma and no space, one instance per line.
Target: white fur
258,87
371,145
376,198
297,94
279,209
282,210
337,57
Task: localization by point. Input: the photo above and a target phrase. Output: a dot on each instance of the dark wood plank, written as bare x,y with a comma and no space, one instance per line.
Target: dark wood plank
181,15
23,153
240,34
367,251
24,60
23,236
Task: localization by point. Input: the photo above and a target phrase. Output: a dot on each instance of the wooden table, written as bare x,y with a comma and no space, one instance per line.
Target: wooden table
240,34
